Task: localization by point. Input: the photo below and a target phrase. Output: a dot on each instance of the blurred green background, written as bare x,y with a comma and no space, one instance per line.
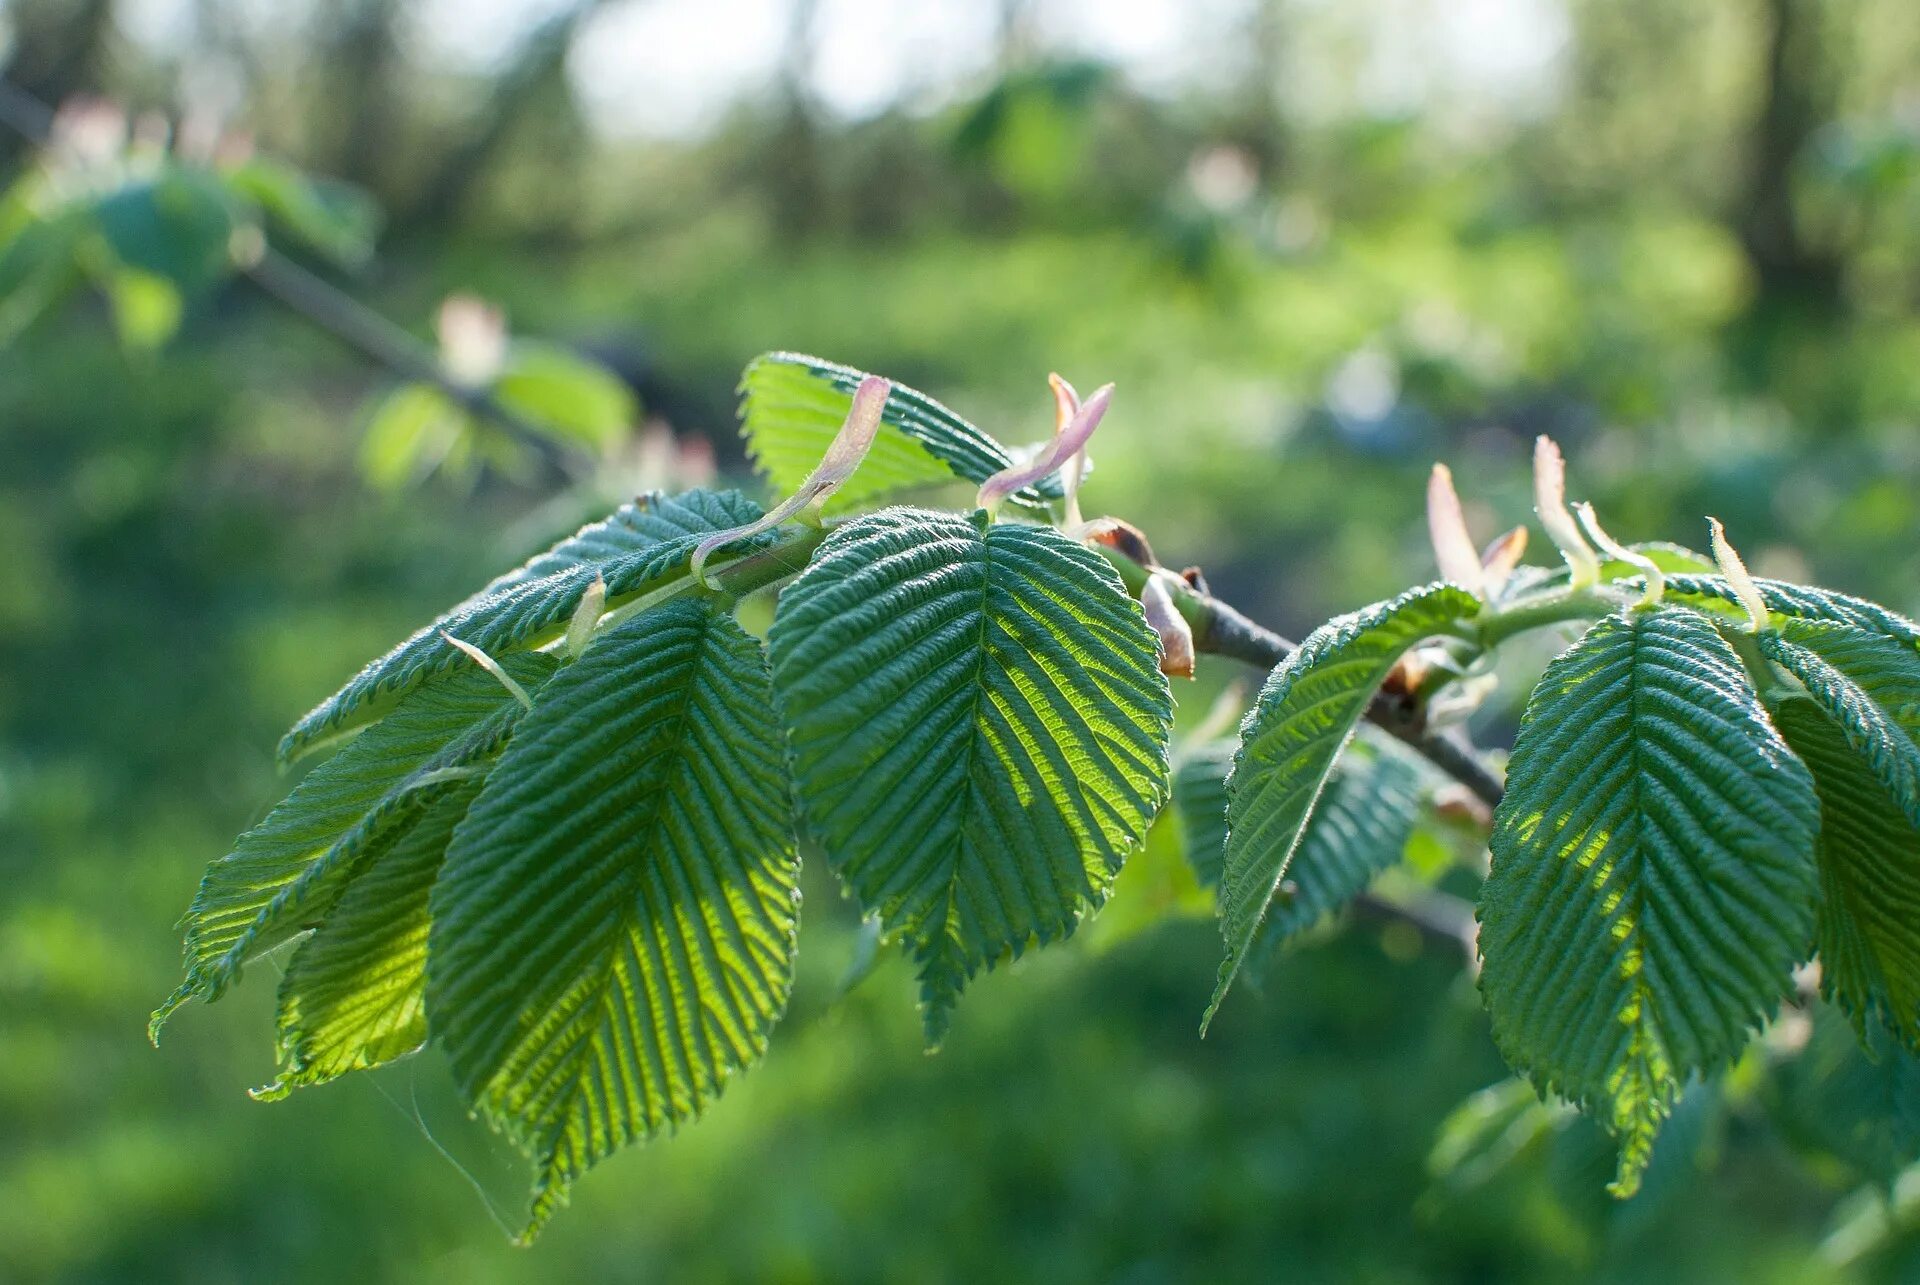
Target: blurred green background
1317,245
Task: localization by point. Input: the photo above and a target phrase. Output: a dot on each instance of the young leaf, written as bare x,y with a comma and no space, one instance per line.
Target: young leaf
978,727
354,993
1308,709
1868,928
792,405
1653,881
613,930
339,816
1868,684
643,546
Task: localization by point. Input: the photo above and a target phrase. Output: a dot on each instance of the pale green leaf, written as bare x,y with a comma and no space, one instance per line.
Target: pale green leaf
354,994
792,405
1653,880
1309,707
1868,929
285,872
566,394
643,547
414,430
613,930
979,731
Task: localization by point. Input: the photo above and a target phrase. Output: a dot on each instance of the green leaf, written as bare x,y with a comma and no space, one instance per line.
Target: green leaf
335,218
569,396
1307,710
176,225
1359,828
613,930
345,813
792,405
979,731
415,430
1868,928
146,308
1869,684
354,995
643,547
1713,594
1200,805
1653,881
1854,1098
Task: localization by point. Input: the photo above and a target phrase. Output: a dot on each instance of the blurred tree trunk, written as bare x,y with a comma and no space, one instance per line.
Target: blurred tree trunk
1798,99
537,68
58,49
796,193
364,64
1263,128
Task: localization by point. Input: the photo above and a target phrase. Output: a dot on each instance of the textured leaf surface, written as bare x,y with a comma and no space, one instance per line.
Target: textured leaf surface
1360,828
1653,881
354,994
1868,929
1868,684
1801,601
979,731
1307,710
1200,805
288,868
613,931
792,405
642,547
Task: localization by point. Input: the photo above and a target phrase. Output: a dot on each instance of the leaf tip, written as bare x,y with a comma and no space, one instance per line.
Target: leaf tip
1734,568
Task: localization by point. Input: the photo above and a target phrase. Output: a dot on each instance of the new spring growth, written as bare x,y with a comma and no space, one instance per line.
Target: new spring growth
1447,528
580,629
1067,442
1483,574
1550,503
844,454
493,667
1656,582
1498,559
473,340
1066,404
1735,570
1176,636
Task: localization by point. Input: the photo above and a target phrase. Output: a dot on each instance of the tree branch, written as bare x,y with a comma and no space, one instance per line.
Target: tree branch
1221,629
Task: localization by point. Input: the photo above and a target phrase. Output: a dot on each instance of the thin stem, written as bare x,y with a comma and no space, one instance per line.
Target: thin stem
1222,629
374,336
313,298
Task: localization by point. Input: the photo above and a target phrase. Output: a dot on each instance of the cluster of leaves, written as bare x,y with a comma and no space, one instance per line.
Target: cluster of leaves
573,868
424,427
153,225
1716,783
156,222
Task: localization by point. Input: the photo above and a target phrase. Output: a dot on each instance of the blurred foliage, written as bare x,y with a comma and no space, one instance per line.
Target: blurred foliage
1305,299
